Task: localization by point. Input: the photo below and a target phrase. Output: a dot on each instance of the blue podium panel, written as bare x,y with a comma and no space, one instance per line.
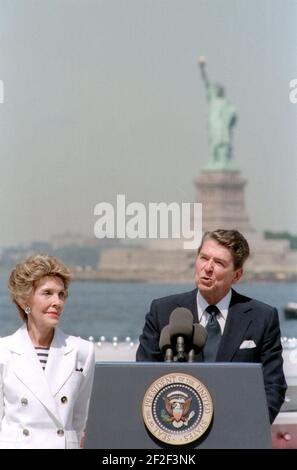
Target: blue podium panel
240,415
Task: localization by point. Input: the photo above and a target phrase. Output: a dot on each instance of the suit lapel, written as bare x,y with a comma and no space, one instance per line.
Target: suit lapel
190,301
237,323
29,371
61,362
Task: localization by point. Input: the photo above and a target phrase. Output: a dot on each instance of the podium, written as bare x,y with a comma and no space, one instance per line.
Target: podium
240,415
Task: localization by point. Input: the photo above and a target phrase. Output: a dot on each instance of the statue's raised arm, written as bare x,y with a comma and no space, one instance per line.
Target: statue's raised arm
202,65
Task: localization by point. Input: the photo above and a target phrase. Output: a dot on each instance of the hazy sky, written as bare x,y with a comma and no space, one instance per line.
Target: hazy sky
105,97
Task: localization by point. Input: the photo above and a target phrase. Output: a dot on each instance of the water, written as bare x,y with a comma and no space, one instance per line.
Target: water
118,309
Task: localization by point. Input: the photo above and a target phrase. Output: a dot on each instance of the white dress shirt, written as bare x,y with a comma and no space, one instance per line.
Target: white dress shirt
223,306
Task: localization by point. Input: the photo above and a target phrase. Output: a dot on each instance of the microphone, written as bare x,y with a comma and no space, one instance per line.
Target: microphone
199,340
181,331
165,344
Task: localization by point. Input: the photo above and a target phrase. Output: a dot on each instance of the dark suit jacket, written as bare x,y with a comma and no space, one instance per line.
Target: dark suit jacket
247,319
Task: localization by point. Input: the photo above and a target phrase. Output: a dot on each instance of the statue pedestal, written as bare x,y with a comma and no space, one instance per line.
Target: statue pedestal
223,204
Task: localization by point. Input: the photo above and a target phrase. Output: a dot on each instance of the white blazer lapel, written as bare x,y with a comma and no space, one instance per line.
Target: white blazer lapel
61,362
28,369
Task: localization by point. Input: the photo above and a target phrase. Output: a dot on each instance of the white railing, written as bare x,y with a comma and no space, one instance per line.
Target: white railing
114,350
126,351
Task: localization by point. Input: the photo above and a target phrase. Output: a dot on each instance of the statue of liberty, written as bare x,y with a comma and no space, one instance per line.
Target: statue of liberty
221,120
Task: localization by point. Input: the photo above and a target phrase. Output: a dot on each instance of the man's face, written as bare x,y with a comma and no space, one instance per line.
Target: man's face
215,271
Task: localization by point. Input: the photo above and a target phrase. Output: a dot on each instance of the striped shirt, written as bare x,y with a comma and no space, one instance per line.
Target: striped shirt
42,354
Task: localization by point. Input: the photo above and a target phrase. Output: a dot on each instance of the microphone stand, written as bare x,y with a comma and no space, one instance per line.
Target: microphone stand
168,355
180,349
191,355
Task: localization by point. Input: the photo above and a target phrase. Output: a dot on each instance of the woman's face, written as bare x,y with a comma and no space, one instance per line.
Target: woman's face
47,302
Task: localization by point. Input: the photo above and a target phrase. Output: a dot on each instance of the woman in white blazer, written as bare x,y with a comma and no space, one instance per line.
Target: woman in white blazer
46,376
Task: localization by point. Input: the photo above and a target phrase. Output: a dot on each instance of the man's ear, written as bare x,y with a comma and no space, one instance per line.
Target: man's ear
237,275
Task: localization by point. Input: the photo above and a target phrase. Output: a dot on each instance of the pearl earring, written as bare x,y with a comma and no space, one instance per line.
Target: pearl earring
28,310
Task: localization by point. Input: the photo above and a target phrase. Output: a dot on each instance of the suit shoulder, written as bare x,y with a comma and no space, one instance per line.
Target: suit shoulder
261,306
5,341
82,345
175,298
4,348
254,303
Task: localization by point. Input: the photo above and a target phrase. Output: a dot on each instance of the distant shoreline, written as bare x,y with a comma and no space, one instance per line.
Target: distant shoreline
249,276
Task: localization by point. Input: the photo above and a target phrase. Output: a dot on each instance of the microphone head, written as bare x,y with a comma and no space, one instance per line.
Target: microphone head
165,342
199,336
181,323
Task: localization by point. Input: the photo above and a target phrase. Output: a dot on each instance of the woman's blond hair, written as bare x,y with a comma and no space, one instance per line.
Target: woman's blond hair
23,277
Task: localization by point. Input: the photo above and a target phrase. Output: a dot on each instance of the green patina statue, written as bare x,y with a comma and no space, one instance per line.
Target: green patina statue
221,119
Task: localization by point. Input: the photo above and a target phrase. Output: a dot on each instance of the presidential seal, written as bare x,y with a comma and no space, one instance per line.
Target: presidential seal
177,409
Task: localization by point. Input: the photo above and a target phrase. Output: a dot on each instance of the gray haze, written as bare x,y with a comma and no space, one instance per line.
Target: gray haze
105,97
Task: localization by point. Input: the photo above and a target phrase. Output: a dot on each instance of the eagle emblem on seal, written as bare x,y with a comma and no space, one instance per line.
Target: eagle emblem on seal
177,405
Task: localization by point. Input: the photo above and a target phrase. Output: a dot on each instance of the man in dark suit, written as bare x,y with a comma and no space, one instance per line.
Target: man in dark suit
240,329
